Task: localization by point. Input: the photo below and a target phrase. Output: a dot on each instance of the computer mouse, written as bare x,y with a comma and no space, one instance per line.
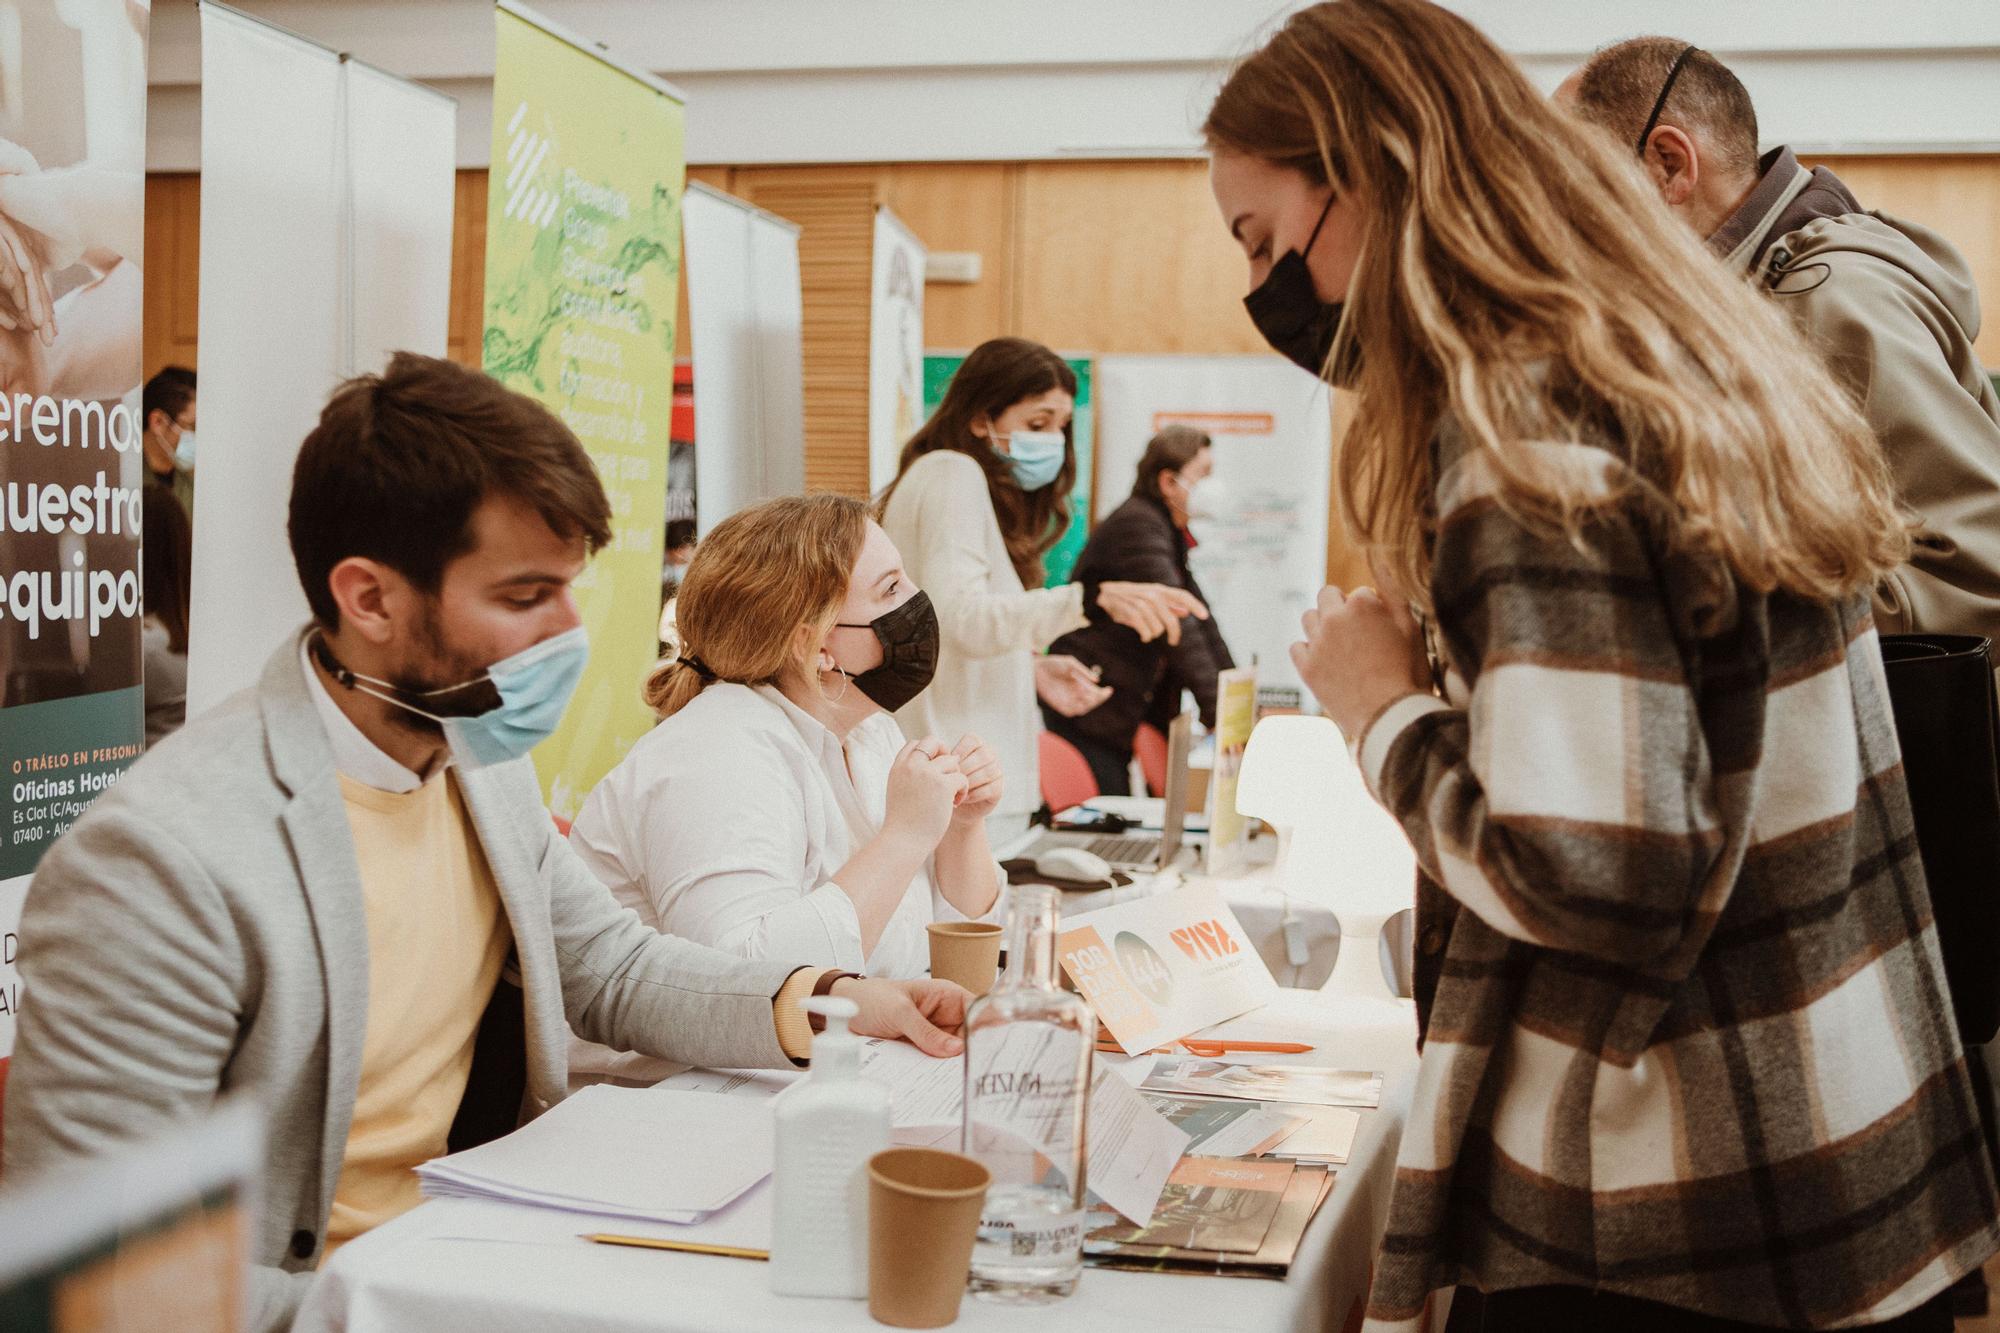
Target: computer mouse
1072,863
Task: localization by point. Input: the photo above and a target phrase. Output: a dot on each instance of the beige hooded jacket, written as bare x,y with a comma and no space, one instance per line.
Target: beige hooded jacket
1892,307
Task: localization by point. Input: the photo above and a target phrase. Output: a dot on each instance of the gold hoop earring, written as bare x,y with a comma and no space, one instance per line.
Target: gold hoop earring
845,681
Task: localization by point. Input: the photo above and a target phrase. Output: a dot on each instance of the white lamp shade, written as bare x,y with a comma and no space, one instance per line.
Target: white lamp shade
1348,851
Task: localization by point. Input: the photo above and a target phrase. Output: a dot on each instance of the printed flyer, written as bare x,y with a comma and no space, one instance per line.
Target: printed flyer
1163,966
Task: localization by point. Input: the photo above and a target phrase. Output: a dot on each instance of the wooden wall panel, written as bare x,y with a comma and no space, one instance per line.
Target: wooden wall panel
963,206
465,337
1958,196
1090,257
1127,257
171,329
836,208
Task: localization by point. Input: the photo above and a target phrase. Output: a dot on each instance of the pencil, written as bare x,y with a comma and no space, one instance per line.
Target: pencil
686,1246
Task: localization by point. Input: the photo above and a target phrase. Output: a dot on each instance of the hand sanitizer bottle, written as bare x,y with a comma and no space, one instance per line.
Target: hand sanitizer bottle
827,1129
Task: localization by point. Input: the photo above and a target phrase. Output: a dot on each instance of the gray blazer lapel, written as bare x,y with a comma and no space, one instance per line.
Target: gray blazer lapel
513,827
316,826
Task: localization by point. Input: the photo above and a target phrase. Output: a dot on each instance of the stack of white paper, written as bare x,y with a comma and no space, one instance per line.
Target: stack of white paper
635,1153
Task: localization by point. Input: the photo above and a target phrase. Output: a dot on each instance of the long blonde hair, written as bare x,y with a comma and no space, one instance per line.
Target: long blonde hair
1518,277
762,591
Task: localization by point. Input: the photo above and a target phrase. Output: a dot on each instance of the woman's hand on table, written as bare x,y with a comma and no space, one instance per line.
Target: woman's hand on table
1067,685
1361,653
1149,609
924,1012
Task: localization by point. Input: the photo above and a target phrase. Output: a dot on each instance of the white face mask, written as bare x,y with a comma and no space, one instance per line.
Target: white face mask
1208,498
184,452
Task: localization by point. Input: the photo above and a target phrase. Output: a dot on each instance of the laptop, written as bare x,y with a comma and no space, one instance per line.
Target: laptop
1142,852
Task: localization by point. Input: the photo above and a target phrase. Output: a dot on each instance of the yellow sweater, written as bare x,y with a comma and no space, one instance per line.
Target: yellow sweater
436,940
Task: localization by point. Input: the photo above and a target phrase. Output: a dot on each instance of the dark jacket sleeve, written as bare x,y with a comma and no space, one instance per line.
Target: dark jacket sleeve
1136,543
1194,663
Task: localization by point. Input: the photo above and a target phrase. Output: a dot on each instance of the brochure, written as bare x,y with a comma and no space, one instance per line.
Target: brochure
1210,1203
1307,1190
1312,1084
1161,967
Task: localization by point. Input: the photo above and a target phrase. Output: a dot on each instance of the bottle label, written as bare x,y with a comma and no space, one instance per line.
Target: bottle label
1022,1083
1026,1240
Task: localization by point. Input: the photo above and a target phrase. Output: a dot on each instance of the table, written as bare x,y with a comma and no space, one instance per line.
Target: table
431,1269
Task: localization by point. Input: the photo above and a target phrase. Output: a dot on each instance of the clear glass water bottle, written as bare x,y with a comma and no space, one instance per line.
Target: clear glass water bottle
1028,1045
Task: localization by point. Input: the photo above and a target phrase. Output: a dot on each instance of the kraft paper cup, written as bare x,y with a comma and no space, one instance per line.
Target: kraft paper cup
967,952
923,1215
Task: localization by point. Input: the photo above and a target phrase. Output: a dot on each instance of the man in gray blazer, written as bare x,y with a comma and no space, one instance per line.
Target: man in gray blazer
340,893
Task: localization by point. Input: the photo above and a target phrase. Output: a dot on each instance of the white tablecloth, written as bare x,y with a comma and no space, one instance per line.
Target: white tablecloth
429,1270
412,1273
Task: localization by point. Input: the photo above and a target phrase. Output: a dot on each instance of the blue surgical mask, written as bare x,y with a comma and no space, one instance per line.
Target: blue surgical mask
1036,456
534,686
184,452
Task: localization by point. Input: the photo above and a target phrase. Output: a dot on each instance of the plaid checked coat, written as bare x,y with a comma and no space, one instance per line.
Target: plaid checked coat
1686,1030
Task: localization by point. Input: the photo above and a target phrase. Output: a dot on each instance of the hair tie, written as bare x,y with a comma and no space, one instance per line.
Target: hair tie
696,665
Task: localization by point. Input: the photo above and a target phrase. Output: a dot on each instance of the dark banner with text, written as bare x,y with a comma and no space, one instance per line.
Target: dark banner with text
72,234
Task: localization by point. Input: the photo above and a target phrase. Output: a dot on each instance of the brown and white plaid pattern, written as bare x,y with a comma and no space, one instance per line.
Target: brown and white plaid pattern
1688,1037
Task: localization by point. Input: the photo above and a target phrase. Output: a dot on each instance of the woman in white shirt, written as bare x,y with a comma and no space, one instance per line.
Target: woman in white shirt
982,493
776,810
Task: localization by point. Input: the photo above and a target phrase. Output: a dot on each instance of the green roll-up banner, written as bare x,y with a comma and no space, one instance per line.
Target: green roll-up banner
582,271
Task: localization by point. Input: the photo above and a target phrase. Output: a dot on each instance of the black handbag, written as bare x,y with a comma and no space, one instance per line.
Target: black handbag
1948,723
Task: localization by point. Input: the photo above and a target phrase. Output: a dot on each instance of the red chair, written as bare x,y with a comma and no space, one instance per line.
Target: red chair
1151,748
1066,776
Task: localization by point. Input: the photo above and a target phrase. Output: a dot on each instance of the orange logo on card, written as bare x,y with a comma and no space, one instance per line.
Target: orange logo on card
1205,940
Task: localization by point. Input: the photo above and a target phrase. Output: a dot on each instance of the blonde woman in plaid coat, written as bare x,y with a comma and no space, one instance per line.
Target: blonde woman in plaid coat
1689,1062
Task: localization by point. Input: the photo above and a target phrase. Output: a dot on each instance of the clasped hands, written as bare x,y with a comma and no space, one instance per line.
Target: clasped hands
1362,652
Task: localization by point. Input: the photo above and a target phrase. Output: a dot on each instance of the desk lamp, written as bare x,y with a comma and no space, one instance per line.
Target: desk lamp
1335,844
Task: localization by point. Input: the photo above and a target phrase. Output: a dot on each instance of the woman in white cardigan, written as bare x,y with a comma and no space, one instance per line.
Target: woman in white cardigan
776,810
981,495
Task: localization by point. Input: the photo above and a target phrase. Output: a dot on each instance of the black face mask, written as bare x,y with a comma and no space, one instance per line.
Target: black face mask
909,638
1298,325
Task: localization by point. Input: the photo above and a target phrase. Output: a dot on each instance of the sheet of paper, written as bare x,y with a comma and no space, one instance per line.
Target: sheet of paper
1132,1148
1327,1135
745,1223
1134,1069
922,1090
610,1149
732,1082
1163,966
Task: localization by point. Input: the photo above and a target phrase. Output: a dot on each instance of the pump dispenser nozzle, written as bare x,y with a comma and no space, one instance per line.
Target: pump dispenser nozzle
836,1051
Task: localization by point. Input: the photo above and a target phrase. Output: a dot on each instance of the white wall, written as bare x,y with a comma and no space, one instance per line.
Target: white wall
962,80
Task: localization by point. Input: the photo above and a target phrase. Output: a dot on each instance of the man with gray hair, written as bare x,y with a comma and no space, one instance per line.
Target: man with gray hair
1890,304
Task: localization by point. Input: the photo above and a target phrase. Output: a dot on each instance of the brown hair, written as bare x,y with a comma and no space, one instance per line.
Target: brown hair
1169,451
1518,277
762,590
1617,87
401,461
168,392
998,374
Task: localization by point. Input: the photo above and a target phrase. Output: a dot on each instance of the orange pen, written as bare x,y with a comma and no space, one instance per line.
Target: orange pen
1209,1046
1205,1046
